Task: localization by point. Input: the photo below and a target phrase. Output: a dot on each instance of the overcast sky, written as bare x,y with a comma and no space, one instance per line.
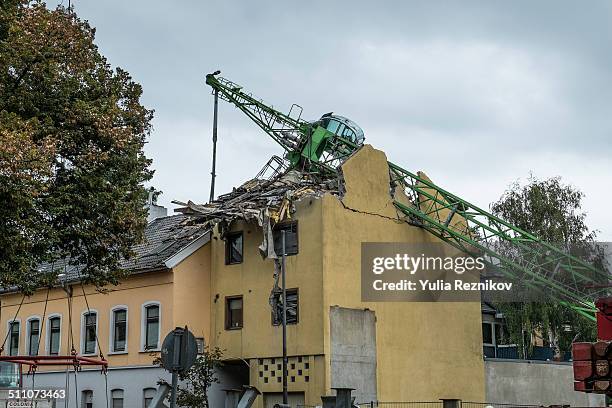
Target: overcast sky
476,94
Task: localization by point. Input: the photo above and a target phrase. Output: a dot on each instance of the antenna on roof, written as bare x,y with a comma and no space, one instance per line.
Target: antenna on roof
214,139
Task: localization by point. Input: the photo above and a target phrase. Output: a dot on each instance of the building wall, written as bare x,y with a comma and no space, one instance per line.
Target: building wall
133,293
253,279
132,380
259,342
535,383
353,351
425,351
192,293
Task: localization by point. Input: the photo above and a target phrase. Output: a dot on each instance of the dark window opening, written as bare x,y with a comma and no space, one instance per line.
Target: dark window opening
487,333
292,308
291,238
233,248
151,327
54,335
233,312
34,337
91,320
120,329
14,341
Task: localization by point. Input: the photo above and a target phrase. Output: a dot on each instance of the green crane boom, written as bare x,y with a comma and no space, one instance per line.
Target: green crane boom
321,146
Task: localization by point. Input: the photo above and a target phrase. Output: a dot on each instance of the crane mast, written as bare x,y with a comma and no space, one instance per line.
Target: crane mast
318,146
321,146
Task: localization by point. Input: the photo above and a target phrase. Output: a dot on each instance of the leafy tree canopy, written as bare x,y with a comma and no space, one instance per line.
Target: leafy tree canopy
72,131
552,211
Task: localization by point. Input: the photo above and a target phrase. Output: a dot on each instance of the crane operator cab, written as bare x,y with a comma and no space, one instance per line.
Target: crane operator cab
322,145
343,127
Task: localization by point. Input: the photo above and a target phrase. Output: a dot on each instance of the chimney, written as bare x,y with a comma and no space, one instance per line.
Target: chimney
154,211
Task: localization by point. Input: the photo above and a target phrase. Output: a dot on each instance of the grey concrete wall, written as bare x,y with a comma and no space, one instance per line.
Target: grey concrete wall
132,380
353,351
535,383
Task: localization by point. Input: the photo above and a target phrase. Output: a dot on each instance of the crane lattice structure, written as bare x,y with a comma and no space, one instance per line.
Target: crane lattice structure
320,147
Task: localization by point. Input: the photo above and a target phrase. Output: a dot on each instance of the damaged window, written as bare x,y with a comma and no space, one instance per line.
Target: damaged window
233,312
292,308
291,238
233,248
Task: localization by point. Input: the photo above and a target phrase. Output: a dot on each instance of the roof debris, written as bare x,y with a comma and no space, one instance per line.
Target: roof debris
257,198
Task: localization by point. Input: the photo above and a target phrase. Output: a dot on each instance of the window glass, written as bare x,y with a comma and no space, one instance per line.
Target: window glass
152,327
233,318
291,238
501,335
54,335
14,341
120,329
117,398
90,333
87,399
487,335
332,125
233,248
148,395
34,332
292,308
10,375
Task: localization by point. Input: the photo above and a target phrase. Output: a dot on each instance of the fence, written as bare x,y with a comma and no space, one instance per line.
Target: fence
429,404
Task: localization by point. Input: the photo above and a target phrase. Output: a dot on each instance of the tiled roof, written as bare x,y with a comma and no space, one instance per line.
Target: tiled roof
164,238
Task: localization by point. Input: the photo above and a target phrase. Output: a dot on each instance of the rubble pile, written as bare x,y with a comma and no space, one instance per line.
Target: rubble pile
260,199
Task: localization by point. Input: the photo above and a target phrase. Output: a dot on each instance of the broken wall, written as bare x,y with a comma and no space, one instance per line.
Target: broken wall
353,351
425,351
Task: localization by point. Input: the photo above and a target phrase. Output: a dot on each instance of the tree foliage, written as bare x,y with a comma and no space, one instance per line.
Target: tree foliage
72,132
199,378
552,211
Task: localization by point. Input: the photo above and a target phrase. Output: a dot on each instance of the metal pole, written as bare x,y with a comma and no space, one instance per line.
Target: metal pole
285,392
176,359
174,386
214,158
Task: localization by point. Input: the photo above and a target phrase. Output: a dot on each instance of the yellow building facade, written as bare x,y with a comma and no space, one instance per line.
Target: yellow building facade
423,351
389,351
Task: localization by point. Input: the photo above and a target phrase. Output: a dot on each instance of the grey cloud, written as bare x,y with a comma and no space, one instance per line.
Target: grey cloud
465,90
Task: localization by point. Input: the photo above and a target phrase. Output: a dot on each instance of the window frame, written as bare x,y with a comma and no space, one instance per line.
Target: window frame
10,339
286,225
143,326
297,320
144,395
111,329
84,332
228,237
119,391
28,338
49,335
84,394
228,325
494,327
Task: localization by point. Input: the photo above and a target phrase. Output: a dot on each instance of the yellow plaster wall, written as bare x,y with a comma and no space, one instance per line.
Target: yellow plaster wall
192,293
253,279
425,351
133,293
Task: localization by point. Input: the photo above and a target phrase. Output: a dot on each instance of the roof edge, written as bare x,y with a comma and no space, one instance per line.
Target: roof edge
187,250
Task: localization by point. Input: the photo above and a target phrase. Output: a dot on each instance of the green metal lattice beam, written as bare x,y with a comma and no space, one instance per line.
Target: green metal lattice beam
518,254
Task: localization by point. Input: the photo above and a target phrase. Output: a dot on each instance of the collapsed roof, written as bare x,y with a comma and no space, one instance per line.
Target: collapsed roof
260,199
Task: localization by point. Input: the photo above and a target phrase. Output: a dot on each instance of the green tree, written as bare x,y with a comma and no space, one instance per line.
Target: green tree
72,132
198,379
552,211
